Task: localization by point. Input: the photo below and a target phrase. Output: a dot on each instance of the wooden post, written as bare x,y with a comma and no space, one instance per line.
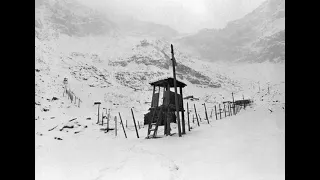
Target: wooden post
188,116
108,121
175,90
167,127
98,110
154,89
115,128
195,110
233,103
158,97
102,119
126,123
134,121
98,113
139,125
224,109
199,117
211,113
244,103
220,111
193,118
205,109
215,109
229,109
122,125
182,113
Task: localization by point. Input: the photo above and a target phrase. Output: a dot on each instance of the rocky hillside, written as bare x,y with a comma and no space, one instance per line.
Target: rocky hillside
151,59
259,36
72,18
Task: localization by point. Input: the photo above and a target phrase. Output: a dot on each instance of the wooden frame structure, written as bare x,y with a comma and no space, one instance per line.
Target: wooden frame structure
168,105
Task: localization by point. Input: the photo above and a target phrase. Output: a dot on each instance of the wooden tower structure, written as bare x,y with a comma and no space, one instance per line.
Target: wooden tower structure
164,114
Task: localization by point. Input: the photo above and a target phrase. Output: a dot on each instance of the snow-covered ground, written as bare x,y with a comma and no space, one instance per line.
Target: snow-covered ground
247,146
70,145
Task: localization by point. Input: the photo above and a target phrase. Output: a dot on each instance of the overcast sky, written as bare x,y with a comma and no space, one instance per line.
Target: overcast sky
186,16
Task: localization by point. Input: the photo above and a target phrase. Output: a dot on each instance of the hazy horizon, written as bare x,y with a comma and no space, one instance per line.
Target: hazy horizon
185,16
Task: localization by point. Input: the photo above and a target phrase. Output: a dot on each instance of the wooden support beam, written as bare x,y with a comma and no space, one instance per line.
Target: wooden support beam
175,90
154,89
188,116
182,113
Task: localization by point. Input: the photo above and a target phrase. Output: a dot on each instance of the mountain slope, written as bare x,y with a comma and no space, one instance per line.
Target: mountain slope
242,37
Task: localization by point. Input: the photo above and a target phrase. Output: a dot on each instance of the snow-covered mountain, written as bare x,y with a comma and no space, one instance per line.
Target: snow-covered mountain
115,66
258,36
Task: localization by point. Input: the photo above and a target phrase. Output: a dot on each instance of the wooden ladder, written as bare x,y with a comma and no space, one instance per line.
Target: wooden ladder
155,129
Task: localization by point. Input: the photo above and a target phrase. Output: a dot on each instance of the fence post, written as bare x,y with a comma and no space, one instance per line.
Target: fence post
220,111
134,121
102,119
215,109
115,128
193,118
122,126
195,110
224,109
188,116
205,108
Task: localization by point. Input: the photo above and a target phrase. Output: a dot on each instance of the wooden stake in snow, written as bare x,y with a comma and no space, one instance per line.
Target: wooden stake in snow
139,125
98,103
182,114
124,131
126,123
195,110
115,128
233,103
188,116
220,110
102,119
215,109
224,107
205,109
134,121
108,121
193,118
